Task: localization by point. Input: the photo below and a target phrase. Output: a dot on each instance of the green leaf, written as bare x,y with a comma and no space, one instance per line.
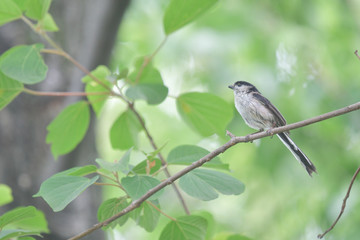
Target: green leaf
238,237
60,189
21,4
124,131
26,238
137,186
67,130
211,224
121,165
24,64
185,228
14,233
16,215
205,112
180,13
148,85
80,171
154,165
187,154
37,222
97,101
146,215
202,183
9,89
5,194
48,24
151,93
9,11
37,9
123,74
112,207
149,74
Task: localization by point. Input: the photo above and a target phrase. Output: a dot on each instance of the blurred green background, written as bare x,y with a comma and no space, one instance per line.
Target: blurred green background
300,55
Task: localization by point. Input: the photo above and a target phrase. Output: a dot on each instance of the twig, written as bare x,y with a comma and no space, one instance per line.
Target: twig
107,184
159,210
147,60
106,176
211,155
161,157
320,236
357,54
62,94
59,51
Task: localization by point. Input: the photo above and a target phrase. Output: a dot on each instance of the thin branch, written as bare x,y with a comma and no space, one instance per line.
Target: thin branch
343,205
147,60
106,176
357,54
107,184
233,141
59,51
161,157
62,94
148,135
159,210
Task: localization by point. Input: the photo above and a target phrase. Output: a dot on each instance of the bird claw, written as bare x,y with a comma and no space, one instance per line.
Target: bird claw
247,138
270,133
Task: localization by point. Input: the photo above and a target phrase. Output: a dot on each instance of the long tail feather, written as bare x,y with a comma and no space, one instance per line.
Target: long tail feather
296,151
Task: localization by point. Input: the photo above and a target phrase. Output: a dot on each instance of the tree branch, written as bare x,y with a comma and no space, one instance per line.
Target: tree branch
59,51
343,205
62,94
233,141
357,54
147,60
161,157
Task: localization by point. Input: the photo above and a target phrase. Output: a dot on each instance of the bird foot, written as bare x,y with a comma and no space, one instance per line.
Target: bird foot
269,131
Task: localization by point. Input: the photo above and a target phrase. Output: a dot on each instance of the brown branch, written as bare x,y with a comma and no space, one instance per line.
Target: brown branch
211,155
161,157
357,54
343,205
62,94
147,60
59,51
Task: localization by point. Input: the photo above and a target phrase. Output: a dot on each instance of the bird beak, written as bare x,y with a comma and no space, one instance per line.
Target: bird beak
231,86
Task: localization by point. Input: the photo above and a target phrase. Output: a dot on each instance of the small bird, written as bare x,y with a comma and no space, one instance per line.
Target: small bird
259,113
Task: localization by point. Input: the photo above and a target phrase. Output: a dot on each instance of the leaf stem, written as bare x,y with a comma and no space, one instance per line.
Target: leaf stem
148,135
62,94
59,51
106,176
159,210
147,60
107,184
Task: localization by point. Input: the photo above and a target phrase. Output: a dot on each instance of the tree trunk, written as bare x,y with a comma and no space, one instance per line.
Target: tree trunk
88,30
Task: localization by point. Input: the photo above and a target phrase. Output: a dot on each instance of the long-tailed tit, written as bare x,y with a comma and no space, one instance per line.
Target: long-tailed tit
259,113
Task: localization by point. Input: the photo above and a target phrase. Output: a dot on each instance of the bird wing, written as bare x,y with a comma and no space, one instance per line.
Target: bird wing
279,119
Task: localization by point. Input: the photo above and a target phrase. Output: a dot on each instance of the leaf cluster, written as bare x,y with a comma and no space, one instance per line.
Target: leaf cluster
205,113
